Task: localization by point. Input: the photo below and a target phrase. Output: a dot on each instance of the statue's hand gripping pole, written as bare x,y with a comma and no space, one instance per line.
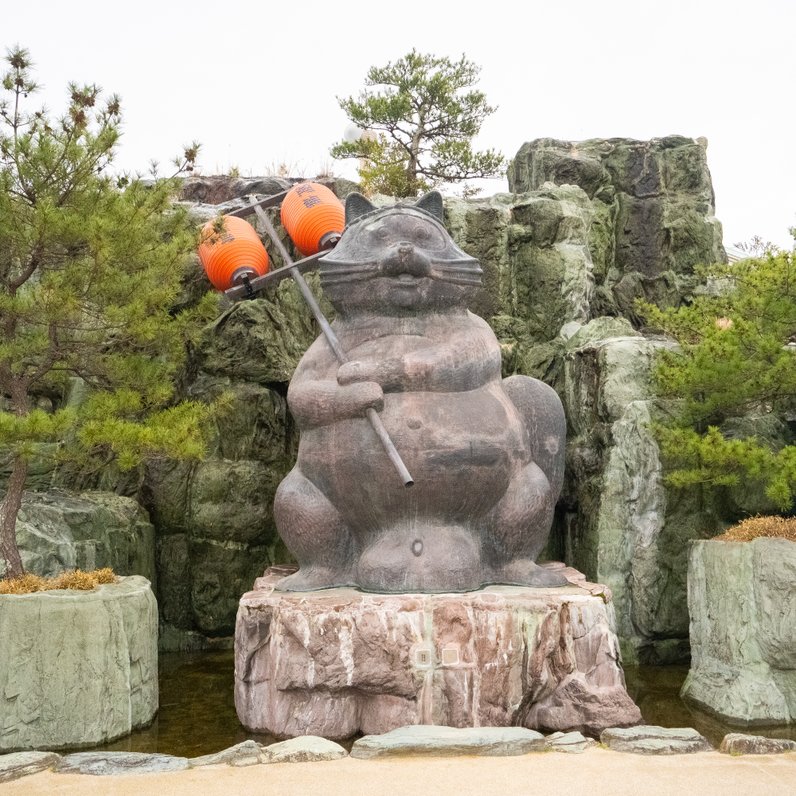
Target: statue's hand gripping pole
334,343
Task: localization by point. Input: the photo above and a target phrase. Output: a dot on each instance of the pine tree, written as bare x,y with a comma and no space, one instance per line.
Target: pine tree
736,356
420,116
90,265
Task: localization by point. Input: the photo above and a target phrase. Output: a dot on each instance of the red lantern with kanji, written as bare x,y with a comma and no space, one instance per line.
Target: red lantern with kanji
230,251
313,217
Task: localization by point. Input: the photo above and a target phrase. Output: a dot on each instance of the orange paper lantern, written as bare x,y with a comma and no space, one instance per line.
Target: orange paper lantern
313,217
229,254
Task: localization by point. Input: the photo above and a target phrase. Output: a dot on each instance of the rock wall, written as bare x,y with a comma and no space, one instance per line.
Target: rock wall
621,523
588,228
653,208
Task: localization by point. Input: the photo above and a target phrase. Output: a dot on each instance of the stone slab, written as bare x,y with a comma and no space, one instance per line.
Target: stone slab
571,742
77,668
432,740
246,753
112,763
20,764
340,662
736,743
653,740
304,749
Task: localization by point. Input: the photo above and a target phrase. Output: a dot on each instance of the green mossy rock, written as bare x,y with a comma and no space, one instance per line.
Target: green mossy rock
629,530
58,530
654,208
260,340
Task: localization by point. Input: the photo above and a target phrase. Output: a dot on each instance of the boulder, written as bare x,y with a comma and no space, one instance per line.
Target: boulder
534,251
77,668
304,749
654,208
259,341
58,530
317,662
214,518
109,764
222,188
246,753
742,602
568,742
625,527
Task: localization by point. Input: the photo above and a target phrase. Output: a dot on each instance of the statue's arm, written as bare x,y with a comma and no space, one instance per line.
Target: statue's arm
465,359
316,400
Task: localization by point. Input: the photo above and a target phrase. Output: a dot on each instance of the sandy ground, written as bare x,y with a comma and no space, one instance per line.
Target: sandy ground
597,770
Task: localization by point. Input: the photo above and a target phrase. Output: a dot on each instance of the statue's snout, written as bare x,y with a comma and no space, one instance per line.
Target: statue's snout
404,258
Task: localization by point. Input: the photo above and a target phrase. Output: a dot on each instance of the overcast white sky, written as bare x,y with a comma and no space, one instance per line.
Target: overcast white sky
255,82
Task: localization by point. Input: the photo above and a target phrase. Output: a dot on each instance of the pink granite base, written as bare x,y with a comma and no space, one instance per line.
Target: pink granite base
341,662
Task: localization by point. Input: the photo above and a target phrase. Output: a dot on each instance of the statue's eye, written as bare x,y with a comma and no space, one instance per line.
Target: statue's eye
382,233
421,232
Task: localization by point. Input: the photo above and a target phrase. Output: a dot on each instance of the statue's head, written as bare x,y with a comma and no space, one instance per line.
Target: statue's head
397,260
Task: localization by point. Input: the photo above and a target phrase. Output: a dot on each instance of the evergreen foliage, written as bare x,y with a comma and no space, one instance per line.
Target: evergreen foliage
419,119
90,265
736,356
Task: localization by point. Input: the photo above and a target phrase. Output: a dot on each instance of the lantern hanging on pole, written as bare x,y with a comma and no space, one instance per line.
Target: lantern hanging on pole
313,217
231,252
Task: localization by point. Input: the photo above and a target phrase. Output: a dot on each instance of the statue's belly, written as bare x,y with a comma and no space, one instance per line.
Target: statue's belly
461,448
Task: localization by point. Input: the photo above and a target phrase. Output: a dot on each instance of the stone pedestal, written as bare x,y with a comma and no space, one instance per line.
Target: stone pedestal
339,662
742,601
77,668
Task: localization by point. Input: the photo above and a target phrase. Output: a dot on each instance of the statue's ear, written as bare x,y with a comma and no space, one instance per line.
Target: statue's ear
355,206
432,203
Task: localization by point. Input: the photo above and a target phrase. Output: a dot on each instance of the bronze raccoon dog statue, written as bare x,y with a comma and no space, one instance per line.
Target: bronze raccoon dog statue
486,453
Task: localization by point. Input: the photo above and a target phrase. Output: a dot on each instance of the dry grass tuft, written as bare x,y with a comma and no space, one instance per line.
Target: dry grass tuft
755,527
104,575
77,580
23,585
74,579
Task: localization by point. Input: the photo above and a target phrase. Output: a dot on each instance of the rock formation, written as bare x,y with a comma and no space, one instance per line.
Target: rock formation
59,530
589,227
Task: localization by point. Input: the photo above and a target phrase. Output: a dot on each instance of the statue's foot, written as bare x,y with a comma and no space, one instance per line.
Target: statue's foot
313,579
524,572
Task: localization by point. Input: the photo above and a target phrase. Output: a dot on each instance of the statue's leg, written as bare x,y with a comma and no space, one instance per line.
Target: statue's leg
315,534
519,527
541,409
